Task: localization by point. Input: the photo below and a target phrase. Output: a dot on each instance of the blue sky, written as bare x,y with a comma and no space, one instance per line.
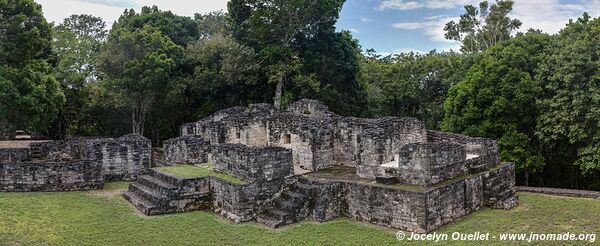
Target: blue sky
388,26
391,26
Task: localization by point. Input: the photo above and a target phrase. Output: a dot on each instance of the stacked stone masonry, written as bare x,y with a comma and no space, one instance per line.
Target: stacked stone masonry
388,171
74,164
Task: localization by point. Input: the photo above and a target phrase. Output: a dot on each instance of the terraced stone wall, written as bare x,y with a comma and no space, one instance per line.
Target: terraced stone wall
426,164
187,149
58,175
253,164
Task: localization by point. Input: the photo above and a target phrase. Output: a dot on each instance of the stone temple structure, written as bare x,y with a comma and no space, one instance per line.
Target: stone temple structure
74,164
306,162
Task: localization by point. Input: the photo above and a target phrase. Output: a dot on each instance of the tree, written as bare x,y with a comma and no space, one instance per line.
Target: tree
483,27
411,84
332,58
220,73
274,27
497,100
180,29
76,45
213,24
570,102
30,95
138,66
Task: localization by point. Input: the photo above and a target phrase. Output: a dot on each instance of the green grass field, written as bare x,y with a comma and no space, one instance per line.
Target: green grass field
104,218
195,171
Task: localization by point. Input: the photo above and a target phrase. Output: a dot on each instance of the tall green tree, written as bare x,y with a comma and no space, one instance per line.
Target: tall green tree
483,27
221,73
497,100
76,46
30,96
213,24
138,66
180,29
274,28
570,103
411,84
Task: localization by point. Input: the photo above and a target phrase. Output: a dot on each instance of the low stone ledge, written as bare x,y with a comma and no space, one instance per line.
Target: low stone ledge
560,192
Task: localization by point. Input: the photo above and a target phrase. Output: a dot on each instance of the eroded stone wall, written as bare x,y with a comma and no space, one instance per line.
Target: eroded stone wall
14,155
256,164
187,149
122,158
65,175
499,187
426,164
241,203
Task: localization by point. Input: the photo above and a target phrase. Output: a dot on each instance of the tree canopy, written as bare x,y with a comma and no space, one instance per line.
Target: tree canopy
30,96
570,102
483,27
497,99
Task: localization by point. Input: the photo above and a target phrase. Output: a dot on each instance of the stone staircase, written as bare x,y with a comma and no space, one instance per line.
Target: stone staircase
293,205
35,153
159,193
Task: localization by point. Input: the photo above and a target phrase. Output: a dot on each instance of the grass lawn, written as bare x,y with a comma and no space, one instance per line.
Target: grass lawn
104,218
195,171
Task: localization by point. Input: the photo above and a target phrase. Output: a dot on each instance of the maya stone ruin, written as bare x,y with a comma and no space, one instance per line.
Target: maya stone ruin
304,162
308,163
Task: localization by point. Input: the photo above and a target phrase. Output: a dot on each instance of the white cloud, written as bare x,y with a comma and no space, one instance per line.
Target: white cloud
432,27
399,4
411,25
551,15
110,10
364,19
113,3
547,15
430,4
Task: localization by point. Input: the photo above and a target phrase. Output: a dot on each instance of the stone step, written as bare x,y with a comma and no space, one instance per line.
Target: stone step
305,187
157,184
163,177
287,205
293,196
275,218
148,193
145,206
269,221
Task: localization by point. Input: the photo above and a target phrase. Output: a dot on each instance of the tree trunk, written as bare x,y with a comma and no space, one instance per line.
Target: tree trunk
278,92
526,178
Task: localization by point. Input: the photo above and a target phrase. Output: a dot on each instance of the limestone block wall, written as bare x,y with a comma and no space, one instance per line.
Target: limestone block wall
482,153
368,143
253,164
14,155
241,203
426,164
64,175
123,158
248,131
419,210
387,207
499,189
445,204
187,149
310,108
310,139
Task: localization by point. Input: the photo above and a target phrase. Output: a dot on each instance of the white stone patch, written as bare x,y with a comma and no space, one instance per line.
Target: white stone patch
392,164
471,156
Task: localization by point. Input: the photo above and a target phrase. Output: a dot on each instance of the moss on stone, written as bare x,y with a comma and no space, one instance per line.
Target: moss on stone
197,171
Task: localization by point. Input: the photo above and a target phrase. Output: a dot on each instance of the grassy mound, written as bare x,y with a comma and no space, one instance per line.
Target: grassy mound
104,218
196,171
